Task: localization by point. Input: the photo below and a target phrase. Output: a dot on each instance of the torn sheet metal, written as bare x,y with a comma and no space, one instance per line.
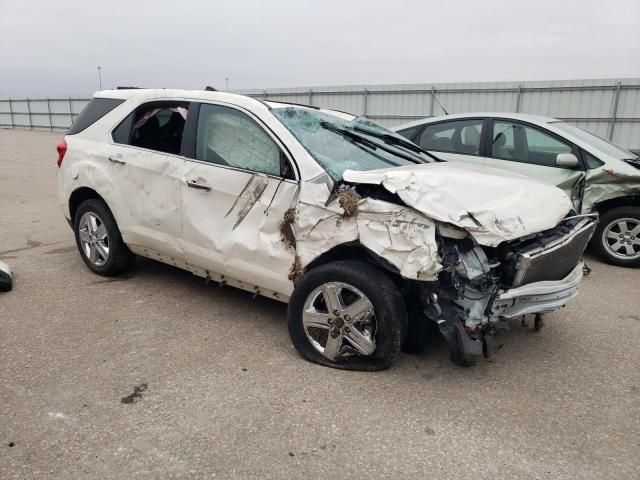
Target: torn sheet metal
248,197
475,198
605,184
400,235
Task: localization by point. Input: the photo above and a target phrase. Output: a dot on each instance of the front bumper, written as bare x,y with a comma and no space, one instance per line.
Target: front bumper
538,297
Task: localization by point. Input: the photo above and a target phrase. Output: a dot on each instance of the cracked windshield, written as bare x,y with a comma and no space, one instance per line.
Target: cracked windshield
339,145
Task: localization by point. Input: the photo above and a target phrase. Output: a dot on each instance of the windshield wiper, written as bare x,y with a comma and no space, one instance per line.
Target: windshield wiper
365,141
394,140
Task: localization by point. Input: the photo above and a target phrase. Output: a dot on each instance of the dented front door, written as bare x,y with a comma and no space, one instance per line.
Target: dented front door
231,225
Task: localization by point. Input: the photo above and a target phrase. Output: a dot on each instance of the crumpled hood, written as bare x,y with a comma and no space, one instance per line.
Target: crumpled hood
492,204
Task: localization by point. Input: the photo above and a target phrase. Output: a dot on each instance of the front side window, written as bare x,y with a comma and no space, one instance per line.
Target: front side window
229,137
157,126
340,144
461,136
521,143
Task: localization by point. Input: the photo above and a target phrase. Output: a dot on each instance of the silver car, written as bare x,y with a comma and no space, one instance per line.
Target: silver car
598,175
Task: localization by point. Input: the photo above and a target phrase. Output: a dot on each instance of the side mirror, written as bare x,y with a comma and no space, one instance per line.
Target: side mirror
567,160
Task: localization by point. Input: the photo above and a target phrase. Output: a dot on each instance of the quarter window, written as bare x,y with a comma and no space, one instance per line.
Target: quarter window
461,137
521,143
229,137
94,111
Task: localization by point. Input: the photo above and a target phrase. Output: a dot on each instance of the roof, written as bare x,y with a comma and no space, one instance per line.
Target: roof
515,116
235,98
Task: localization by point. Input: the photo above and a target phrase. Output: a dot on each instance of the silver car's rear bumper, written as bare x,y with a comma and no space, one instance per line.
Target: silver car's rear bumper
539,296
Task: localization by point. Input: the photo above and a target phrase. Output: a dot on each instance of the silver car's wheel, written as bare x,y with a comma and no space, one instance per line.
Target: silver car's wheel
621,238
339,321
94,239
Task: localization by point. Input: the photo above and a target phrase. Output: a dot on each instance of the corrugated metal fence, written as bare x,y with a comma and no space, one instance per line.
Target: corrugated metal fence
609,108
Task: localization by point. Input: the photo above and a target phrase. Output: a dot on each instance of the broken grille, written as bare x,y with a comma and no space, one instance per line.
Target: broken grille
553,257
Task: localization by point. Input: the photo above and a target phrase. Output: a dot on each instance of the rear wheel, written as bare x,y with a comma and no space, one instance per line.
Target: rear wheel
98,239
348,315
617,237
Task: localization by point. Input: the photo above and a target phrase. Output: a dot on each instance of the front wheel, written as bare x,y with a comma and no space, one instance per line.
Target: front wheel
617,237
348,315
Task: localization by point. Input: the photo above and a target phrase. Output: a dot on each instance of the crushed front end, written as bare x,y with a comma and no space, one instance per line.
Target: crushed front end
480,288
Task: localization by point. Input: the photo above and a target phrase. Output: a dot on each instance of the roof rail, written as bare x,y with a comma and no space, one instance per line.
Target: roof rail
210,89
128,88
289,103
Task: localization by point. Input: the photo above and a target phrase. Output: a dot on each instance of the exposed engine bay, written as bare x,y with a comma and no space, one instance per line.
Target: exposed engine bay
472,291
478,288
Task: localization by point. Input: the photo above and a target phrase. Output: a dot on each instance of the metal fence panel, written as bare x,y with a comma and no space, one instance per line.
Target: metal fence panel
607,107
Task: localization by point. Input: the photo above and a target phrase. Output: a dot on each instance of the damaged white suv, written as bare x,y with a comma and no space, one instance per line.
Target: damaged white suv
368,238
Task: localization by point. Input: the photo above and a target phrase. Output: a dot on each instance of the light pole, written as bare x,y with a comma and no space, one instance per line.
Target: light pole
100,76
227,80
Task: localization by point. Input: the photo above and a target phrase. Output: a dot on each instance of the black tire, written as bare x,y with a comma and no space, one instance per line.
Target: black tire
120,257
420,330
387,301
598,240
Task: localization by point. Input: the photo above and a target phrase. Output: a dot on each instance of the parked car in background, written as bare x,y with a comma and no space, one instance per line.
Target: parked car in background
598,175
365,235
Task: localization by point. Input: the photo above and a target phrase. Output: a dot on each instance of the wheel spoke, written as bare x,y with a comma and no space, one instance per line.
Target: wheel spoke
358,309
629,249
332,348
616,247
101,232
622,225
635,232
360,342
92,225
316,320
331,295
102,251
84,236
93,253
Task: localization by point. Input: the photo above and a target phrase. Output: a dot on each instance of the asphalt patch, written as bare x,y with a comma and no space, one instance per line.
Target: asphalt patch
136,395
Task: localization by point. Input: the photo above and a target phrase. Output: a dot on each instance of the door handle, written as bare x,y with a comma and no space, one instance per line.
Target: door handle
198,186
117,160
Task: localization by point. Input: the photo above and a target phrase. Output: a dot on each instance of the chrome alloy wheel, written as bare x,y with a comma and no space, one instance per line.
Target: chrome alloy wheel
621,238
339,321
93,238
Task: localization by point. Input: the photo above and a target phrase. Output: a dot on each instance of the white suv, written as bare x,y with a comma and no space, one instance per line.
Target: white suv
368,238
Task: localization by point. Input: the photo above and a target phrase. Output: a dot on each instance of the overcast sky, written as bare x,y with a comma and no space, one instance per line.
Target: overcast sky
52,47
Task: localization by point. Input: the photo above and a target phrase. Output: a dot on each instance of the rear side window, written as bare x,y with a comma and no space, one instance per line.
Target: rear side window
409,132
155,126
94,111
460,136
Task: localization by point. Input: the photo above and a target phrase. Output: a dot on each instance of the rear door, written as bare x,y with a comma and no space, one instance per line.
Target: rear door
237,185
146,165
531,151
453,140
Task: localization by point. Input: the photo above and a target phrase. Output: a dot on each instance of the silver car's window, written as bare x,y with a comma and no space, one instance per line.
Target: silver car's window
335,152
600,143
521,143
461,136
229,137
